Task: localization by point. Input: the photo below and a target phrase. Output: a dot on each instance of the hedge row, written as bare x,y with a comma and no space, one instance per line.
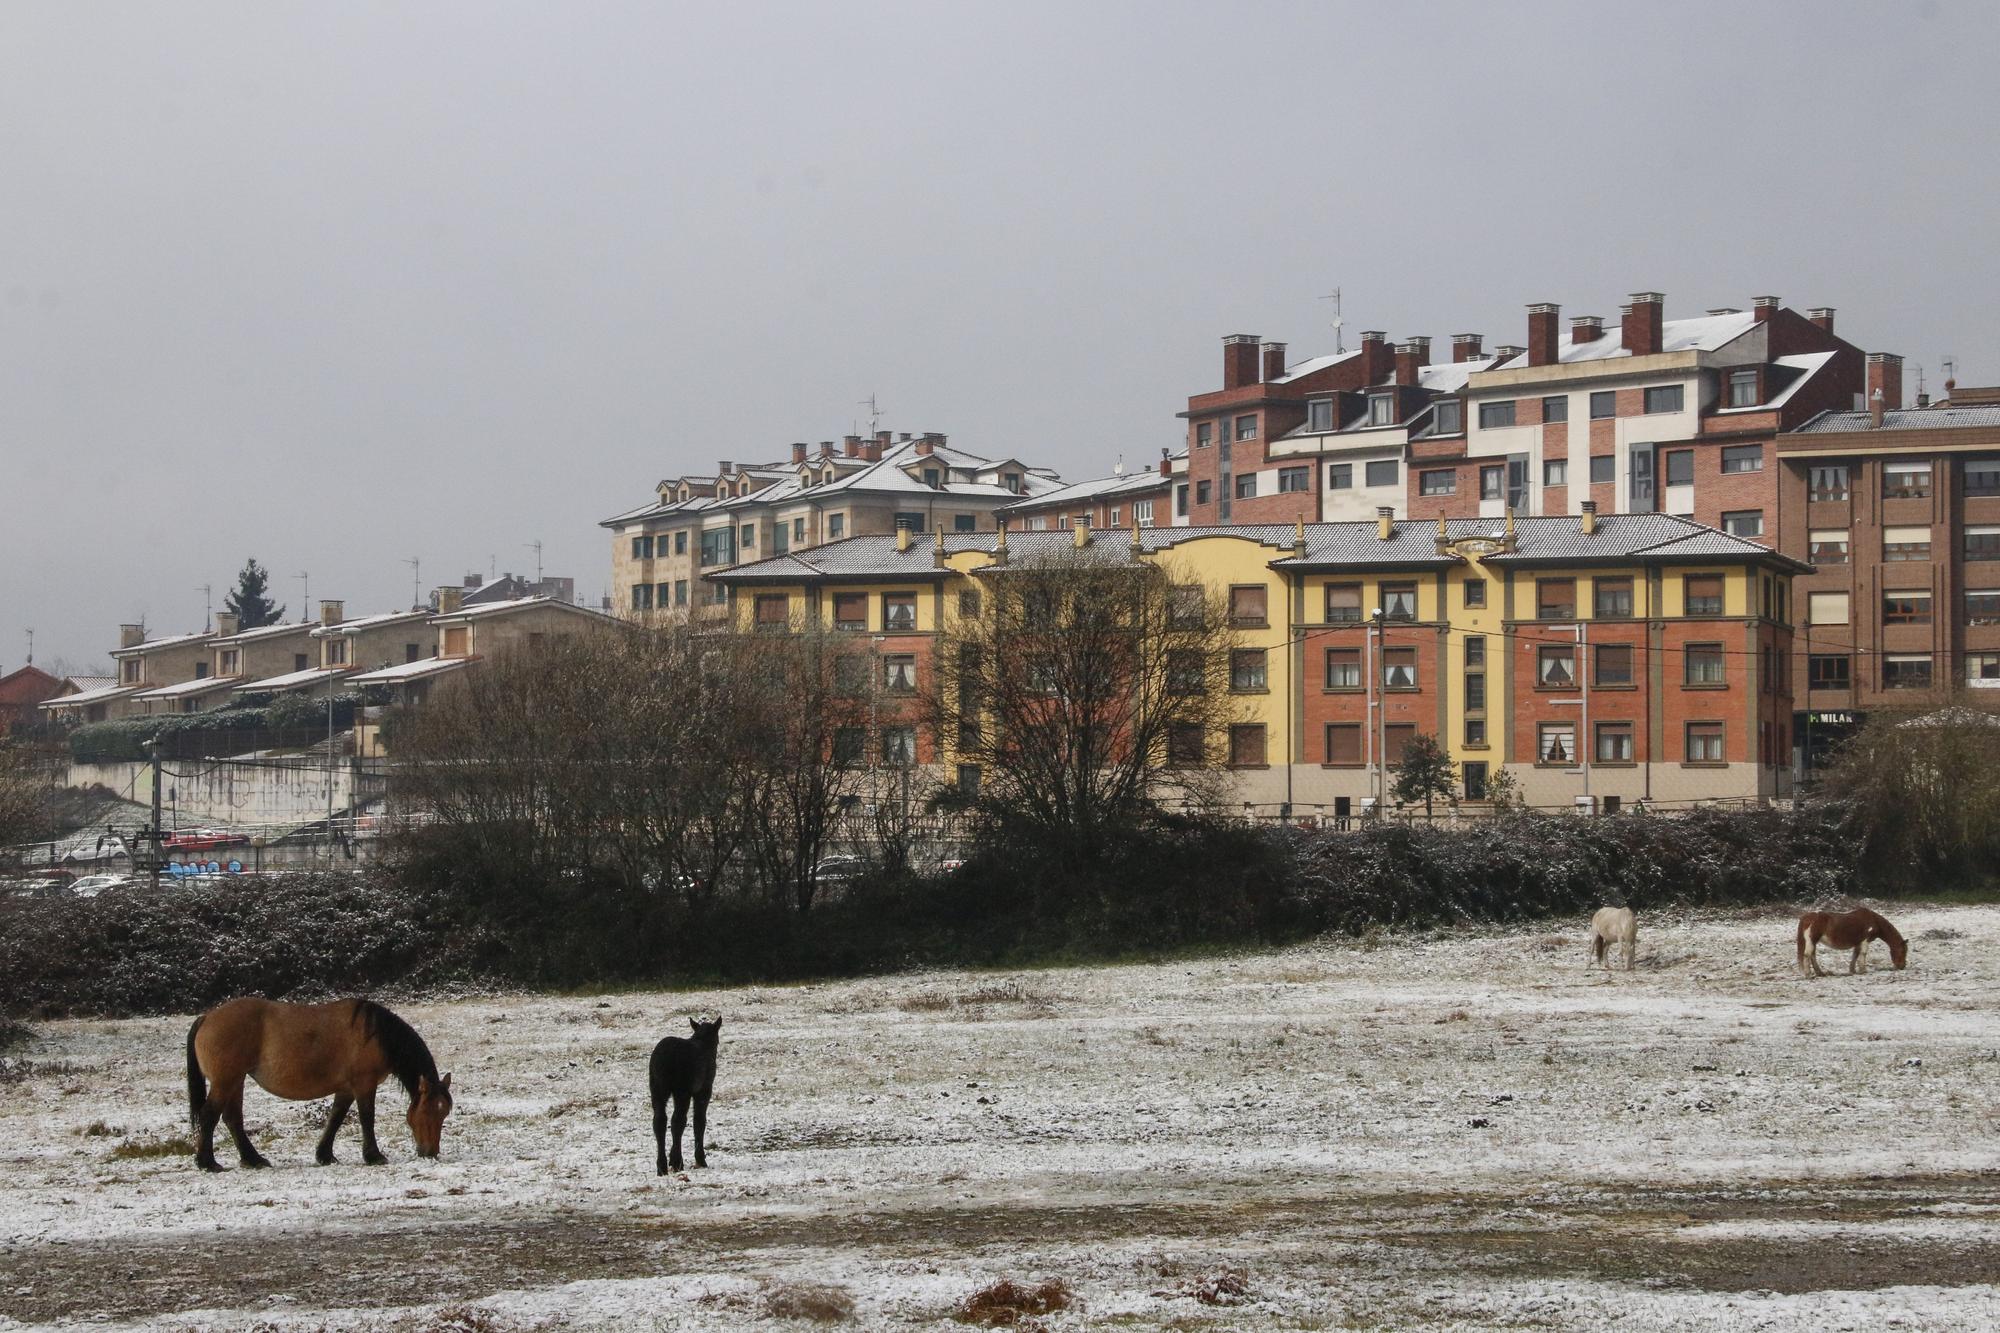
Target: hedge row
125,739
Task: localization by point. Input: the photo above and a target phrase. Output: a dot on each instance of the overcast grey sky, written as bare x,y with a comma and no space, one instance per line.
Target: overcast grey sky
339,284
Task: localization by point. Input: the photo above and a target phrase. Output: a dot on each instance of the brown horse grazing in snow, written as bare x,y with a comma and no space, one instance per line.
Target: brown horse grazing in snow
1847,930
302,1052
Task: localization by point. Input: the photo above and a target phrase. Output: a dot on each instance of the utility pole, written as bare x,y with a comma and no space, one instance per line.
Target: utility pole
416,580
536,547
207,606
329,768
153,747
31,647
305,595
1378,732
1334,296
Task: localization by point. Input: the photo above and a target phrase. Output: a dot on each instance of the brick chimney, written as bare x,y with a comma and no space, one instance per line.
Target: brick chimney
1761,307
1239,360
330,612
826,448
851,445
799,452
926,445
1274,361
227,623
1586,328
1409,360
450,600
1378,360
873,453
1465,346
724,468
1645,323
1508,351
1542,321
1166,461
1885,373
1821,317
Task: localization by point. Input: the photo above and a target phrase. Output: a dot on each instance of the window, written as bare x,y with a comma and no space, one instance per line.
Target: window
1611,664
1555,472
1475,650
1828,483
899,746
1743,522
230,657
1743,458
129,671
1399,601
1906,608
1343,603
774,611
1246,745
1829,671
1343,668
1555,408
1319,414
1827,546
680,592
1493,482
1614,742
718,547
1185,673
1906,481
1247,604
1246,670
1555,599
1982,670
1982,607
850,674
1603,468
968,603
1704,664
1982,543
299,659
1396,738
1555,743
899,674
749,542
910,519
1246,485
1142,513
411,652
1475,592
1663,398
899,611
1704,594
1443,481
1339,476
642,548
1184,744
1399,668
836,527
931,477
1382,409
848,745
1679,467
964,522
1448,417
1611,599
1475,738
1906,671
1743,388
1982,476
1555,666
850,610
1384,472
1704,743
642,597
1201,492
1246,428
798,530
1603,404
1204,435
1187,606
1343,743
1294,479
1495,415
1906,543
1475,692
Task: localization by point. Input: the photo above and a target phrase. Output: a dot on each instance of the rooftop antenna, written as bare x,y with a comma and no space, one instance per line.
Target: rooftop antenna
536,547
416,579
1922,397
1334,296
1950,375
31,647
874,413
305,595
1119,470
207,606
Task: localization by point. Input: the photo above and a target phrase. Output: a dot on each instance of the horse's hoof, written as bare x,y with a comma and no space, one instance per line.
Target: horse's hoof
377,1160
208,1163
324,1158
660,1170
255,1163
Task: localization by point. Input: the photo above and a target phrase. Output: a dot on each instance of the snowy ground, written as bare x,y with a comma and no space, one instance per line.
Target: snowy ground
1458,1132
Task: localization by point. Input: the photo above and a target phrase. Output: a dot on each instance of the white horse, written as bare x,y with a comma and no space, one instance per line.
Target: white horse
1614,925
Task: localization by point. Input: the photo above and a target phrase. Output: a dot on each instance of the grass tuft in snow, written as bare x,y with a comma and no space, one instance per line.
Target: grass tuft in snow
1007,1303
819,1302
139,1149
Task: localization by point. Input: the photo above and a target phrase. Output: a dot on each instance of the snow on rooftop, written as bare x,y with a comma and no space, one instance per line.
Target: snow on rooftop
1317,363
189,688
408,671
101,694
1704,333
291,680
368,622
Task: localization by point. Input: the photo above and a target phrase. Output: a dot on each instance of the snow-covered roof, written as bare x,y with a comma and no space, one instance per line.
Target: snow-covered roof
1705,333
190,688
1912,418
86,684
420,669
1449,376
99,695
1117,484
171,641
486,610
1313,364
291,680
360,623
1807,365
263,632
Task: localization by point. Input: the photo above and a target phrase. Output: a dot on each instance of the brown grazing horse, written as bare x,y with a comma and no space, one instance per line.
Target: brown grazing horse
1847,930
302,1052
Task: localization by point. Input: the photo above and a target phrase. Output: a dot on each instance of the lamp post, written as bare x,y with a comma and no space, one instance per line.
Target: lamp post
1378,705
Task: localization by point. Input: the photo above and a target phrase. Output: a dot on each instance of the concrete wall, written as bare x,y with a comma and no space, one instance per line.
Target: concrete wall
224,791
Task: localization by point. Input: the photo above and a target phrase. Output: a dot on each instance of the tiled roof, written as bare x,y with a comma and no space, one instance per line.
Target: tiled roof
102,694
1411,544
1914,418
1090,490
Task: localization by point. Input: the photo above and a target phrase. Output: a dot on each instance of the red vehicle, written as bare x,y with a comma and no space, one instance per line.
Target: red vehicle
202,839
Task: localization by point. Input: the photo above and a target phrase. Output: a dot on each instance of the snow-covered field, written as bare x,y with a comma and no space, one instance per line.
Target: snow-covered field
1462,1131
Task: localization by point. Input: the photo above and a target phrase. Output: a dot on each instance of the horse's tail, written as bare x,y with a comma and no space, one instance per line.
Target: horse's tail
1598,944
197,1085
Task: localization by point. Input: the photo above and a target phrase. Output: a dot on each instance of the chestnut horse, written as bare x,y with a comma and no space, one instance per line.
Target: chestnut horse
1847,930
302,1052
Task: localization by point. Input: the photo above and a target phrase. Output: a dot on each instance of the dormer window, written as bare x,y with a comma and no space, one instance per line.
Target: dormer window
1012,481
1743,388
932,477
1382,409
1449,417
1319,415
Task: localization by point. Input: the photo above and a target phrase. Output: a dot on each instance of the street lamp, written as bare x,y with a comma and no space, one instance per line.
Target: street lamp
1378,725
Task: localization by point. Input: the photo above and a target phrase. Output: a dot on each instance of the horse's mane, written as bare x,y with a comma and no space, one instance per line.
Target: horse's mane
409,1059
1888,932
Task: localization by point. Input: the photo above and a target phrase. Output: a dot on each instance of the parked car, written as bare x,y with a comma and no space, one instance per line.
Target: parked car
838,869
948,864
203,839
92,885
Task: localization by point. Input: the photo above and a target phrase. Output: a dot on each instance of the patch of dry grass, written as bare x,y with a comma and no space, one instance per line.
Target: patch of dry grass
139,1149
1007,1303
819,1302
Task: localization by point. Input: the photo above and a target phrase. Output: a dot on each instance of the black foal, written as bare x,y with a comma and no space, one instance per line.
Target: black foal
683,1068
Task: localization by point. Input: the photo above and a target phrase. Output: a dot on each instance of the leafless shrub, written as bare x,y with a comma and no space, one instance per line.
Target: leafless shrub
1006,1303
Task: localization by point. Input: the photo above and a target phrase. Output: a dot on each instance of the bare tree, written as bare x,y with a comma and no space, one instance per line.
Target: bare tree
25,787
1922,788
1093,689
